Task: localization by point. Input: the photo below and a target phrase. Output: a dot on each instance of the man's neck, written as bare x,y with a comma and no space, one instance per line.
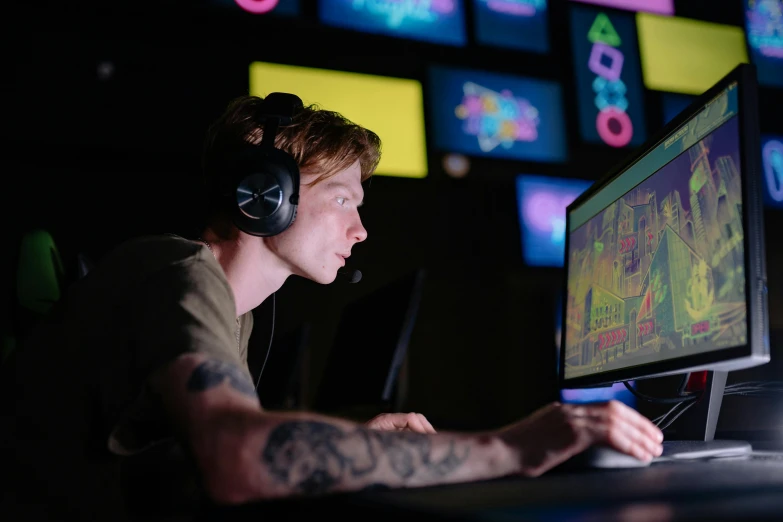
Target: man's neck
252,270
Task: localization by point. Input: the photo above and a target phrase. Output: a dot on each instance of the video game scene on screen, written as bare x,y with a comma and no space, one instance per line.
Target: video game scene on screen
660,273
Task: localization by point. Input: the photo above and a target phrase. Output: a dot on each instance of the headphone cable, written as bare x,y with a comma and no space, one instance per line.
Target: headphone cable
269,348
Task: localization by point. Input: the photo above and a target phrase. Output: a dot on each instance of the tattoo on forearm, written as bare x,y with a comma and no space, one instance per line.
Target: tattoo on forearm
212,373
314,457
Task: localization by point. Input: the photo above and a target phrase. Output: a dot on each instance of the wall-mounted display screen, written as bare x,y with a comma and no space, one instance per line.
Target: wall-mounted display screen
363,99
437,21
262,7
497,115
663,7
608,77
541,204
764,29
513,24
687,56
772,162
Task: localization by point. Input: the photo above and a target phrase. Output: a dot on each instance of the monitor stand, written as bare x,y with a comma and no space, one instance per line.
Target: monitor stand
696,432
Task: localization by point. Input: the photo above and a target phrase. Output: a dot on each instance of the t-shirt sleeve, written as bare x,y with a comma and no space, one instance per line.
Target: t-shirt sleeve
184,308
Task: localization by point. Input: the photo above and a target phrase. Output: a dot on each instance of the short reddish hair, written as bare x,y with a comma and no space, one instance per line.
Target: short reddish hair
322,142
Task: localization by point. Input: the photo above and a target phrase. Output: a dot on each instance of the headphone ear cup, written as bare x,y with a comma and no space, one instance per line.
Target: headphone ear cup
266,193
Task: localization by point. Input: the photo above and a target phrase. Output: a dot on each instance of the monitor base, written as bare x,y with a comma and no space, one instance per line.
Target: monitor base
703,449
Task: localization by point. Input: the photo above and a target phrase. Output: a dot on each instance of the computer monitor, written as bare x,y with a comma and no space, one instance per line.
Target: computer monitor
373,335
665,262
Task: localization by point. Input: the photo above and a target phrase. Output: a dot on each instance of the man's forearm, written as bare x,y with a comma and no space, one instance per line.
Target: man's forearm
245,453
292,454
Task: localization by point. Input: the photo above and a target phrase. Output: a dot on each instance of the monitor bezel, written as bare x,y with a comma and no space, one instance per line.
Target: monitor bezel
756,350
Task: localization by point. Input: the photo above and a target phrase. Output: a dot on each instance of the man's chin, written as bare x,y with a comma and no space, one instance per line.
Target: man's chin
323,278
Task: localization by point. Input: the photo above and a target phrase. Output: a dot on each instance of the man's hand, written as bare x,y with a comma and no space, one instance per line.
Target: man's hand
557,432
400,422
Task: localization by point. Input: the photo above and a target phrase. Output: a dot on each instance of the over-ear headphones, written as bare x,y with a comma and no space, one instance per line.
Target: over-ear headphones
262,194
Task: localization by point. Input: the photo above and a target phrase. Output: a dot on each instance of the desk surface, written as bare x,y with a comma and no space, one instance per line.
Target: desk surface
720,489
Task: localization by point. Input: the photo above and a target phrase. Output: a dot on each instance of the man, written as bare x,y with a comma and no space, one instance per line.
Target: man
135,397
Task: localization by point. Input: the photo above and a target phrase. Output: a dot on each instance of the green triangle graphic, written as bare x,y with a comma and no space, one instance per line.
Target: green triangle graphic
602,30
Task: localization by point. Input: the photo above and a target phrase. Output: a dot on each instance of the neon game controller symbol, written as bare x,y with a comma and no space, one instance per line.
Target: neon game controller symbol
496,118
257,6
613,124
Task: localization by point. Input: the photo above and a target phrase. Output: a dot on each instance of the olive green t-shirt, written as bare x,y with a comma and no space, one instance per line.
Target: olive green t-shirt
86,436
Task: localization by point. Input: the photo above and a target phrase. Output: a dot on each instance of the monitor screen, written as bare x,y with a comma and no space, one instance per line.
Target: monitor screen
384,320
541,203
497,115
608,77
262,7
764,29
514,24
400,125
441,21
687,56
772,163
656,260
662,7
616,391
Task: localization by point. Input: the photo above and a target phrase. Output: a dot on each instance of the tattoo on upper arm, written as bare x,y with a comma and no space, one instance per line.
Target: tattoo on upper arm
212,373
314,457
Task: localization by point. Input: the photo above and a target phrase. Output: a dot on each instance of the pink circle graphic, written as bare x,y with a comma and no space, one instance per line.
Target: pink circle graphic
257,6
619,139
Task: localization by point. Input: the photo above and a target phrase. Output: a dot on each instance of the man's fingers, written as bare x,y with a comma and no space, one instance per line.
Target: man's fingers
426,424
637,419
625,426
416,422
624,441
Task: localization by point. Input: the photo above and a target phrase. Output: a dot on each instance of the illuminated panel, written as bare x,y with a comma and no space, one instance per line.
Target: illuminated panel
662,7
261,7
764,27
687,56
438,21
390,107
772,160
514,24
674,104
541,204
496,115
608,78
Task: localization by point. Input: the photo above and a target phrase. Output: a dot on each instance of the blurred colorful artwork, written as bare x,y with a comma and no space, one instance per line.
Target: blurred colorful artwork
497,115
436,21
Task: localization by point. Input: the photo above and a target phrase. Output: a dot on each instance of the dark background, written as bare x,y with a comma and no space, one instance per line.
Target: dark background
97,158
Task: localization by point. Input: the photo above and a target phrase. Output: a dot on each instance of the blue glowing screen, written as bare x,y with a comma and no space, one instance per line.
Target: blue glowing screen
436,21
541,204
764,30
497,115
514,24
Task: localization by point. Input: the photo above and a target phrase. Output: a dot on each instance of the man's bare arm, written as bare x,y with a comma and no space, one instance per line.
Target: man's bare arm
245,453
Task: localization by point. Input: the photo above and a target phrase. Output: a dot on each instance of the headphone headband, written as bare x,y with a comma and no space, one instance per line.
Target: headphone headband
264,192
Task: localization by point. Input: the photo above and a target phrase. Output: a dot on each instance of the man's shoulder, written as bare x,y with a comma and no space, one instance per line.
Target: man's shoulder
151,253
165,245
150,258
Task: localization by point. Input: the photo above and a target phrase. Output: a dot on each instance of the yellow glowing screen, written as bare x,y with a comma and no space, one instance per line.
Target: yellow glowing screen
687,56
393,108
